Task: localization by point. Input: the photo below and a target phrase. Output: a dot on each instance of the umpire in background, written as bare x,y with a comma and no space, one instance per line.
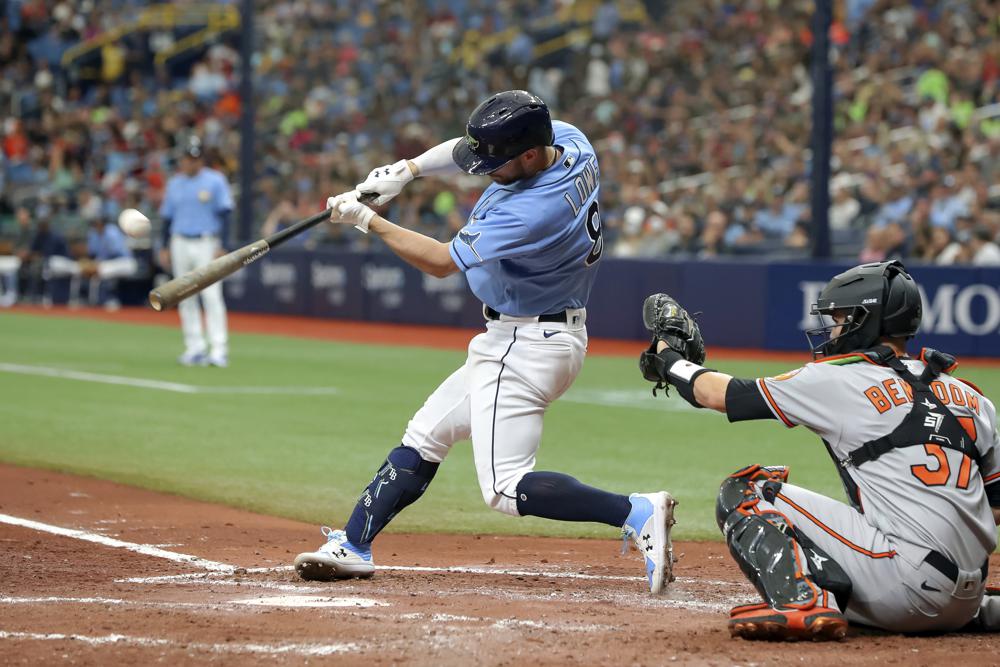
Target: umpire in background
196,210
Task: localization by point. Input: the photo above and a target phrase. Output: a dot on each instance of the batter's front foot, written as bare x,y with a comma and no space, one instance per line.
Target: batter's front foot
648,527
337,559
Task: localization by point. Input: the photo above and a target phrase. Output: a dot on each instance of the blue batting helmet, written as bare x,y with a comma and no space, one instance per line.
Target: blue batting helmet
500,129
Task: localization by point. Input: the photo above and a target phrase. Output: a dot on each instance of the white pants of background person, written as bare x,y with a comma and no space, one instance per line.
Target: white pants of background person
107,269
9,266
187,254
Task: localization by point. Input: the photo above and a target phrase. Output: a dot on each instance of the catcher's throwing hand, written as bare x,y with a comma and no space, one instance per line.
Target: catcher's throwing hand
347,209
672,325
386,181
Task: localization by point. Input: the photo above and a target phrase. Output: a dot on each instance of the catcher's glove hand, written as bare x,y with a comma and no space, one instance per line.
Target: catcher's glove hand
670,323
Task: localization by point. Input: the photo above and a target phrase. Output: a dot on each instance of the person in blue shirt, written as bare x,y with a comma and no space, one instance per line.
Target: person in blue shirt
108,259
196,211
530,251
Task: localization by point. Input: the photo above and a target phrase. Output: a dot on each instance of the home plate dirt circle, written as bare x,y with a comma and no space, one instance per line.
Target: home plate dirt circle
93,573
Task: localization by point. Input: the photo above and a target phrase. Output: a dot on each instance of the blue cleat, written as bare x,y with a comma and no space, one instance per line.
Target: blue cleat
648,526
193,359
337,559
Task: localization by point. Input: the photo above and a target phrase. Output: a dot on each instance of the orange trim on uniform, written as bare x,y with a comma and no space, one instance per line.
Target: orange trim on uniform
846,542
774,406
992,478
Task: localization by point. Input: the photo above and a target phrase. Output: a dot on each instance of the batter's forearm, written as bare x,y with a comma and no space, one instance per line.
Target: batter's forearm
436,161
422,252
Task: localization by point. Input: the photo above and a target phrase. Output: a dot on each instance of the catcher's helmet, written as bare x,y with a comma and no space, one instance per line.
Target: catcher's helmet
879,299
500,129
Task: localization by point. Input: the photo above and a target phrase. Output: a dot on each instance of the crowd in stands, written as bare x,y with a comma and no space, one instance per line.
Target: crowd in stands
700,113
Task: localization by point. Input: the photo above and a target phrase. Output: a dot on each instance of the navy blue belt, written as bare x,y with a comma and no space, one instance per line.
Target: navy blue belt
197,236
547,317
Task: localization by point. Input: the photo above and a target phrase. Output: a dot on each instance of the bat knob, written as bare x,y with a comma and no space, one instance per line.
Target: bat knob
155,301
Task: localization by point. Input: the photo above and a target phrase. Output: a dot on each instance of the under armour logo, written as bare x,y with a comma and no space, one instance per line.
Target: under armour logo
927,404
818,560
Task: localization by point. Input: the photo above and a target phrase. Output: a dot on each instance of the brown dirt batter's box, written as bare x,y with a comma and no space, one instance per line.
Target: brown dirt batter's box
440,600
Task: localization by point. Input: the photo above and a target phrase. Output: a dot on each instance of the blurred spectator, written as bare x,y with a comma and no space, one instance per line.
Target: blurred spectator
702,108
108,259
845,208
982,249
18,247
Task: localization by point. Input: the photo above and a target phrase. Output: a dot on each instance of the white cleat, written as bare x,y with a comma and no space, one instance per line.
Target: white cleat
337,559
648,527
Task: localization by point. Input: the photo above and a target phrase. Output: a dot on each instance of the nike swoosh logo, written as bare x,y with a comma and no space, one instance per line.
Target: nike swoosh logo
550,334
929,588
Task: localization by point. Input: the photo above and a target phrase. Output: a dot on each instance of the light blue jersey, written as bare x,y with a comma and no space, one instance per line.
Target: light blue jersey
532,247
195,204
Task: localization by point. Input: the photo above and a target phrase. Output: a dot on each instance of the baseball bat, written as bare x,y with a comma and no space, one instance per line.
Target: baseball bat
174,291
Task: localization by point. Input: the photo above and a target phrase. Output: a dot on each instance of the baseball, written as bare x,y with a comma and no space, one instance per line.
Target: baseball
134,223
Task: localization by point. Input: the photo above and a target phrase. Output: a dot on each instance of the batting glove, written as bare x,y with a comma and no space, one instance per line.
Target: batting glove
347,209
386,181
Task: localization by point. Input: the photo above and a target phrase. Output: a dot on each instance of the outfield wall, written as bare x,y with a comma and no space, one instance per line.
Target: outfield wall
744,304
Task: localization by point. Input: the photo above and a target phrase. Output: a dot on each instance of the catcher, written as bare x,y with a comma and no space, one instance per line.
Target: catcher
916,449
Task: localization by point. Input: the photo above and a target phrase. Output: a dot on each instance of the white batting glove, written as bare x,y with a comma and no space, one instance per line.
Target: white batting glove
386,181
347,209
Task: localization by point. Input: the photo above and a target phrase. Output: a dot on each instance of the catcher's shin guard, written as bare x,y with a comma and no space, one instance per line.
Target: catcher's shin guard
401,479
766,547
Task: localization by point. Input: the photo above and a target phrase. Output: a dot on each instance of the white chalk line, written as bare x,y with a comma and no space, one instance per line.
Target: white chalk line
144,549
273,601
119,640
216,569
178,578
160,385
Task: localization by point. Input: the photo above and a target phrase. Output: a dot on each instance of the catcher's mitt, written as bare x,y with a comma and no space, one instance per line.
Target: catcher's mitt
670,323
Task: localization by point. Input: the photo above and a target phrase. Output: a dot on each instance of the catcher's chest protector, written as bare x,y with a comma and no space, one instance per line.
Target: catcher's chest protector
929,422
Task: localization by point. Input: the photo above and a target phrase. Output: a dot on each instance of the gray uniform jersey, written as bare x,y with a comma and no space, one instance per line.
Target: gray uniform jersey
921,497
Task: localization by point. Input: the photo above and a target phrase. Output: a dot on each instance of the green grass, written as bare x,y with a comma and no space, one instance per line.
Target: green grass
308,457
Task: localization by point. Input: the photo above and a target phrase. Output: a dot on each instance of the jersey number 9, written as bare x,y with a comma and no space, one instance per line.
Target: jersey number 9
594,232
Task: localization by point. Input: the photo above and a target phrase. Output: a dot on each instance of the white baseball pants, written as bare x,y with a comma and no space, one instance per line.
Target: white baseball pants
889,592
9,266
186,255
514,370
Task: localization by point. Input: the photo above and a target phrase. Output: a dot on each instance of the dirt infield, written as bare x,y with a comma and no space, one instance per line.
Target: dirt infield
93,572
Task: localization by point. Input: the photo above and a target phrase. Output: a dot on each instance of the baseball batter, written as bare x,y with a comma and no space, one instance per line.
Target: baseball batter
196,210
530,251
917,451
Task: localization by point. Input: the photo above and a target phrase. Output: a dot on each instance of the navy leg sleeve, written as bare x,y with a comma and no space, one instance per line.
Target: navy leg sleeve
400,481
553,495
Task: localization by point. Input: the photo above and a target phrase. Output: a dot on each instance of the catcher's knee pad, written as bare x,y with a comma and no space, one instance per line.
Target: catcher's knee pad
401,479
738,490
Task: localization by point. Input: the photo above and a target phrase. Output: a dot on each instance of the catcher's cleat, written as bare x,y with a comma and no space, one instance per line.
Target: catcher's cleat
762,621
648,526
337,559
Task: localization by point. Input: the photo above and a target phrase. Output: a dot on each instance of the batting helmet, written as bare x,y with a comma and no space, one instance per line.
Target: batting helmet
879,299
193,148
500,129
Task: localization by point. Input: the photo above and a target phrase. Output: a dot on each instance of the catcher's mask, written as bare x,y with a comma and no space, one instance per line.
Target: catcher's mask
872,301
